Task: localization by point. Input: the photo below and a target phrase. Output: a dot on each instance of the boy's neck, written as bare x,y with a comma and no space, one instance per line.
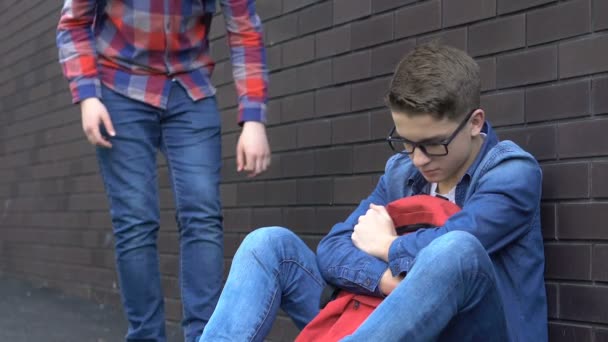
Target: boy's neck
447,185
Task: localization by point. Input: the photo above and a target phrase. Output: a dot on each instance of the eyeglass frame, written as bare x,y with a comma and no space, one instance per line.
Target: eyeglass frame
390,140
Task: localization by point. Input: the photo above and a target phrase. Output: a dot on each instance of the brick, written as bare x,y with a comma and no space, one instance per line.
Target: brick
582,57
300,220
600,20
373,31
226,97
568,19
599,187
267,9
314,76
584,303
582,221
280,193
273,112
558,101
584,138
237,220
539,141
281,29
565,180
506,6
266,217
274,57
251,193
298,51
383,5
600,272
497,35
568,261
527,67
352,190
371,158
314,191
487,70
298,107
600,335
422,18
335,160
504,108
563,332
228,195
552,296
369,94
381,122
219,49
599,89
348,10
316,18
282,138
333,42
352,128
292,5
386,57
466,11
316,133
352,67
218,27
331,101
327,217
282,83
455,37
297,164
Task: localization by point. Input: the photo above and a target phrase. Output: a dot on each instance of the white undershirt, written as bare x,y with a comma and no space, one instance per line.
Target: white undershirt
450,195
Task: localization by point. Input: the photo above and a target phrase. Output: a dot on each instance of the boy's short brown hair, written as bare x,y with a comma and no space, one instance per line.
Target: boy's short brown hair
435,79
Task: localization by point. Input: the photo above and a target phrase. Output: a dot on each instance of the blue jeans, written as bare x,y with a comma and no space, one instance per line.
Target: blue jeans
188,134
450,293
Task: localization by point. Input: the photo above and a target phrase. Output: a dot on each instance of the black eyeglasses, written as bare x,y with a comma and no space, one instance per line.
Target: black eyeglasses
431,149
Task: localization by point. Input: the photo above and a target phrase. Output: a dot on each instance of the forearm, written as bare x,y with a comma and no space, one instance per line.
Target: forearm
76,46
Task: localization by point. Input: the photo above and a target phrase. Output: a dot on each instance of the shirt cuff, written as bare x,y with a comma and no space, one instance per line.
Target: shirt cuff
84,88
398,263
251,111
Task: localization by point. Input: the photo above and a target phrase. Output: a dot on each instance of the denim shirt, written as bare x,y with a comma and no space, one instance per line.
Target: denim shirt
500,200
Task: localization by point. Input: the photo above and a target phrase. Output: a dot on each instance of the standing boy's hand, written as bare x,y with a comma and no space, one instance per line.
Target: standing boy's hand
374,232
252,149
94,113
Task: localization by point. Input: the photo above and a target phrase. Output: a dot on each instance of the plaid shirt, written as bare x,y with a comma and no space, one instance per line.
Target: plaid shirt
137,48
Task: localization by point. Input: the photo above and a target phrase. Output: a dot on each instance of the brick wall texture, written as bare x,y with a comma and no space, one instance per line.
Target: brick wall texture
545,85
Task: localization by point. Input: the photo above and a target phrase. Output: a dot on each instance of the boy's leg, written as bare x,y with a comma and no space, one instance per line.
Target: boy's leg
450,293
272,268
191,139
129,174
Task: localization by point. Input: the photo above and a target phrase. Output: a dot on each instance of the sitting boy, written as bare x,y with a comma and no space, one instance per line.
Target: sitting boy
478,277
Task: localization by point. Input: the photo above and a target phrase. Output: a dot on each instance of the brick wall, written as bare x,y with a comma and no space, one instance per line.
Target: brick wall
545,86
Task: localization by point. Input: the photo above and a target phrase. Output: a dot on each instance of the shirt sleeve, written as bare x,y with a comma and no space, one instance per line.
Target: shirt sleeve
499,212
76,46
341,263
248,57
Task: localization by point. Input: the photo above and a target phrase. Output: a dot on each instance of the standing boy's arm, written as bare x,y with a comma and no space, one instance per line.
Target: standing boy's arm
251,79
343,264
76,46
499,212
248,58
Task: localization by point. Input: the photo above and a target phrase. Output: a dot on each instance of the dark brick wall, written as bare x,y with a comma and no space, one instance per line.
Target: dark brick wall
545,83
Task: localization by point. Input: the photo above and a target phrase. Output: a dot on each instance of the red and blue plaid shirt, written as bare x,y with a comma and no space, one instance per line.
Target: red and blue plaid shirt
137,48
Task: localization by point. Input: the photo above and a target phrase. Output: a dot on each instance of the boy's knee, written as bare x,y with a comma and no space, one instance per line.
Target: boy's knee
268,237
457,243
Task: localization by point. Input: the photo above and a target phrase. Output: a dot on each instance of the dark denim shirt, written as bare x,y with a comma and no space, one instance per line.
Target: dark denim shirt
500,200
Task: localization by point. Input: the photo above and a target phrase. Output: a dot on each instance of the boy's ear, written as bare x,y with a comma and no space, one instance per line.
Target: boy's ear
477,121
